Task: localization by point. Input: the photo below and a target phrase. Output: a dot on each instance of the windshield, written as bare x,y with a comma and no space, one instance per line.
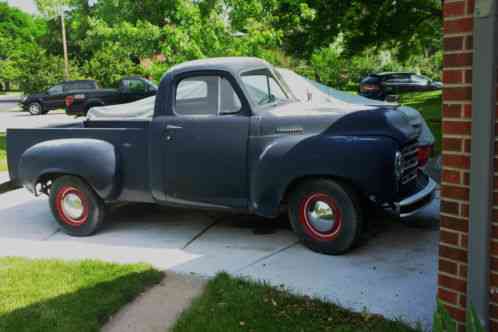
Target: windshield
263,87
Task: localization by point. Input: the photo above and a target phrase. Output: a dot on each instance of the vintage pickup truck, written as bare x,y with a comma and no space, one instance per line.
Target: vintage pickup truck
228,135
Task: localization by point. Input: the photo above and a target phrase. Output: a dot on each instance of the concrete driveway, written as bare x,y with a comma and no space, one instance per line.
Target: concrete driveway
11,117
392,273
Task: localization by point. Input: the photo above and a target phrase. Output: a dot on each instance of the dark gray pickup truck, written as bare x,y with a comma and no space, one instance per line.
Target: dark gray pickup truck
227,134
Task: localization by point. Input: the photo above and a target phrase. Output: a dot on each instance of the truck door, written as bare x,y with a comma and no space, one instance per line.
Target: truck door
205,143
55,97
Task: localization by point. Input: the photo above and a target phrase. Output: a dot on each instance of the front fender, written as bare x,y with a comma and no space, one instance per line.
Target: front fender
93,160
365,162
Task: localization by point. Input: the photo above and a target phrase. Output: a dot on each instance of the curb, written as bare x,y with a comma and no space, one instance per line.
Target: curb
10,99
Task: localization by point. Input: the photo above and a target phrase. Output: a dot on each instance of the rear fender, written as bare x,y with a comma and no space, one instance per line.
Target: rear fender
94,161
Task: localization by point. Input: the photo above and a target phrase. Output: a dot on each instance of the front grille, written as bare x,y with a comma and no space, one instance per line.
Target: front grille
410,163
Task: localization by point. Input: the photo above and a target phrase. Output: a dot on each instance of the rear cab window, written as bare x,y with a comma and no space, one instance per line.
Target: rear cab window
207,96
80,85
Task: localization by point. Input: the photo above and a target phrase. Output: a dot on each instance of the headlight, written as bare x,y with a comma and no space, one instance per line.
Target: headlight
398,165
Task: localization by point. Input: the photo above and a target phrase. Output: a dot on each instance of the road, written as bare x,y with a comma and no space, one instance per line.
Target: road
7,106
10,117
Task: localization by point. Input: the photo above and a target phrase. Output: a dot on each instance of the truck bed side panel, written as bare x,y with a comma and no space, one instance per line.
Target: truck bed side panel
130,144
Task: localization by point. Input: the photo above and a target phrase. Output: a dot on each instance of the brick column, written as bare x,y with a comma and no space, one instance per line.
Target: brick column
457,109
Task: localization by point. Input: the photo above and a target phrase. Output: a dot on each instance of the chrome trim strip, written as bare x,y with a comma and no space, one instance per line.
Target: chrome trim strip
428,190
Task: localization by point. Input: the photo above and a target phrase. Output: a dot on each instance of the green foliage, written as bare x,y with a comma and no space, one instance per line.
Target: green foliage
40,70
444,323
232,304
334,41
3,153
19,33
109,64
52,8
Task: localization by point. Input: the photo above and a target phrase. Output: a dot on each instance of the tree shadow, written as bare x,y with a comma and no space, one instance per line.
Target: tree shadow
84,310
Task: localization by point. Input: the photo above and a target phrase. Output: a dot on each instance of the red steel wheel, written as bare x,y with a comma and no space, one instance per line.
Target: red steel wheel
320,216
76,207
326,215
72,206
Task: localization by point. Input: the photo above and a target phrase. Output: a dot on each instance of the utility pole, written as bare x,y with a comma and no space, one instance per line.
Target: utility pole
64,45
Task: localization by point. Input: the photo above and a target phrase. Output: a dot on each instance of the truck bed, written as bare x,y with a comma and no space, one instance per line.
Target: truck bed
130,139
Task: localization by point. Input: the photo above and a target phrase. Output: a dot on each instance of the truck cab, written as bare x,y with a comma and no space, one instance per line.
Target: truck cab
228,135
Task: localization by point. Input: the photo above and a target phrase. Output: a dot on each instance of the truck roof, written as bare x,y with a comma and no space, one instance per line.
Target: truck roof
231,64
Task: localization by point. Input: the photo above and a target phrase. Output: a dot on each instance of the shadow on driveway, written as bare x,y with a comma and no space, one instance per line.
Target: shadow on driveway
393,272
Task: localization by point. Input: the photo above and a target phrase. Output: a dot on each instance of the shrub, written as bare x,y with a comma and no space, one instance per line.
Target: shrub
41,70
444,323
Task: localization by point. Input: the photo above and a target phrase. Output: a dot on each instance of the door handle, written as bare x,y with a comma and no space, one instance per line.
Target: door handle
173,127
167,134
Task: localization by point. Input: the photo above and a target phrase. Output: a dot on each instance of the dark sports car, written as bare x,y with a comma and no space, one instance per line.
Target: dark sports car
380,86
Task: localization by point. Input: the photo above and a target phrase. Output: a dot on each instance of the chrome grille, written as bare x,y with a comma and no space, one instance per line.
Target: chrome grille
410,163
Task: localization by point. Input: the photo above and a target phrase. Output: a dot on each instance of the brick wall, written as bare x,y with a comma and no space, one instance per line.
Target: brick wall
457,109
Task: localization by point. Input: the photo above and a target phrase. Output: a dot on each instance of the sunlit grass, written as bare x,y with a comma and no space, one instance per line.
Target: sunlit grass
3,153
57,296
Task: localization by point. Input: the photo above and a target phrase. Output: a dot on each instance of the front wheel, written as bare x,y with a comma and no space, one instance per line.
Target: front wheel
75,206
35,108
326,216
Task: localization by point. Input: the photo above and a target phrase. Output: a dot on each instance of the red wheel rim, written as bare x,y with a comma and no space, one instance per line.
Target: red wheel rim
65,196
309,204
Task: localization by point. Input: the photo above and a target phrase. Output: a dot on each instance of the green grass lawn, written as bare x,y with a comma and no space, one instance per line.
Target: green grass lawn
3,153
429,104
230,304
56,296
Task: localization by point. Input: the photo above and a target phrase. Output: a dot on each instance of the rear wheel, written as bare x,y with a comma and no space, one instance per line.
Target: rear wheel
76,207
326,216
35,108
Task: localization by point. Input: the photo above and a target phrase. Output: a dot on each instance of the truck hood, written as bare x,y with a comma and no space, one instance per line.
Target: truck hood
320,95
355,120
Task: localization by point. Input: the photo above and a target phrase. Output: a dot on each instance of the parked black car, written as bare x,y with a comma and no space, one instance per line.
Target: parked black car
228,135
54,97
380,86
130,89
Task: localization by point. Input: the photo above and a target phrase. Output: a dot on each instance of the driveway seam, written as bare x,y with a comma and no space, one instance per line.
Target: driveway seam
261,259
53,233
201,233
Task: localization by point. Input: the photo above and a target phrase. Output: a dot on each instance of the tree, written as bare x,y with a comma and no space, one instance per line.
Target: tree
52,9
18,33
308,25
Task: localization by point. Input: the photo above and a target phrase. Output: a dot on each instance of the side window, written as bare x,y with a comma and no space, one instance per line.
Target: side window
135,86
263,88
206,95
55,90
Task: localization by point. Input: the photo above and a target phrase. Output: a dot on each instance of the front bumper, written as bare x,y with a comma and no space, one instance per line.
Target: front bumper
417,201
